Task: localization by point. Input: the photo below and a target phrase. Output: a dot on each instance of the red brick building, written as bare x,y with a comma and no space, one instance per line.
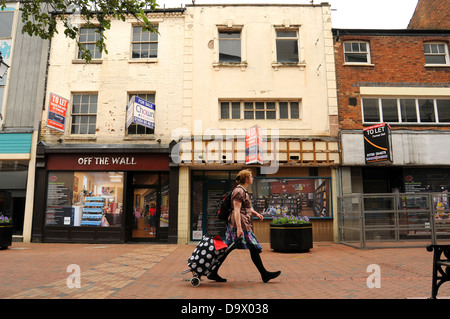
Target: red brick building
393,89
401,78
413,59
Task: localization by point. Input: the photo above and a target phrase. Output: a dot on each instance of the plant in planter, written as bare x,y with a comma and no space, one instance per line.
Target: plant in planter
290,233
6,231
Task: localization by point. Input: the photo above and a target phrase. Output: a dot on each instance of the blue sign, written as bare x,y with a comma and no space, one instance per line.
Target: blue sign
140,112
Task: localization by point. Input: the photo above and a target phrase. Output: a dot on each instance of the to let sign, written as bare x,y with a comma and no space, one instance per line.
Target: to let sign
57,110
253,145
377,143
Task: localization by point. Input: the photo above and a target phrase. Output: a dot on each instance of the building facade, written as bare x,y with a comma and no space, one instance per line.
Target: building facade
22,90
394,85
103,159
212,73
266,65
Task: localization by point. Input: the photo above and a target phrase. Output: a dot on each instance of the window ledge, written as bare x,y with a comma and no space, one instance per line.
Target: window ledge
78,61
300,65
218,65
151,60
359,64
139,137
437,65
80,138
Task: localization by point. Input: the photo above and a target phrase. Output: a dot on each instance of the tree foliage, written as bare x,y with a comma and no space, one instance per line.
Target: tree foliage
40,17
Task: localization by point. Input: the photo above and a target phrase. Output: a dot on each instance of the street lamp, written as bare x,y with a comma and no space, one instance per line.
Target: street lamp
3,67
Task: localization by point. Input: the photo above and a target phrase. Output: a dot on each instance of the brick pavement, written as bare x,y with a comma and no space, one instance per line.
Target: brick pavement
128,271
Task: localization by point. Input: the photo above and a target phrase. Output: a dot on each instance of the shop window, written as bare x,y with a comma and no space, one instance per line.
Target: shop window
88,40
84,199
357,52
84,114
309,197
436,53
287,46
144,43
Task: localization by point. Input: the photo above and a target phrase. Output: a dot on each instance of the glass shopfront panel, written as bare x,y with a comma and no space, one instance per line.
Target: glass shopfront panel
308,196
84,199
297,196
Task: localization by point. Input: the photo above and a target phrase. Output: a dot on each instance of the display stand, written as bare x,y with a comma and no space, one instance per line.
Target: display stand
92,211
320,204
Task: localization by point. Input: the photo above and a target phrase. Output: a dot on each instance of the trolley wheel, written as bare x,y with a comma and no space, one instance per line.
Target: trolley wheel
195,282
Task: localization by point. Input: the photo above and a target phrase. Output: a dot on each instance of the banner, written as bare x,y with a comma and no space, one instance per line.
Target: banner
57,110
253,145
141,112
377,143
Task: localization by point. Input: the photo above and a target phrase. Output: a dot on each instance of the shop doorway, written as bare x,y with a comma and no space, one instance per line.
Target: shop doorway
145,208
148,207
206,200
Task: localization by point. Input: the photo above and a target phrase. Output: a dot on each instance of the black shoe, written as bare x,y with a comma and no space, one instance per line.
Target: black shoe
216,277
270,275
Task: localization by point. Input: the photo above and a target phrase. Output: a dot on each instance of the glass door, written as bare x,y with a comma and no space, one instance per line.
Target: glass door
146,212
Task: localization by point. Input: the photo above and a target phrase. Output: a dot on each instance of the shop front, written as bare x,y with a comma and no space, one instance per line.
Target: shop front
16,173
113,197
292,191
400,199
13,184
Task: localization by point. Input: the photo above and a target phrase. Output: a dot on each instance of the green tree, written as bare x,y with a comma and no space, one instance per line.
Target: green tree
40,17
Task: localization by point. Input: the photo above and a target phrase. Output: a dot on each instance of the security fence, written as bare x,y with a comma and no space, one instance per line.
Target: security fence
394,219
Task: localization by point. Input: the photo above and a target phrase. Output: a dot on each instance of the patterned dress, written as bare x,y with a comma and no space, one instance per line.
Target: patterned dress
249,238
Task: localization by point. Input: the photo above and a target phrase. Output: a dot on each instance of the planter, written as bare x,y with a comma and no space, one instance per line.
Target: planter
291,237
6,233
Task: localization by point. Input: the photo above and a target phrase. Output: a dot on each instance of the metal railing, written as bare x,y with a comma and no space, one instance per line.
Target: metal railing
394,219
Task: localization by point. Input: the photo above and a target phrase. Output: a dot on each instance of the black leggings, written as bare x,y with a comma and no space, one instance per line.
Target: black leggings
254,254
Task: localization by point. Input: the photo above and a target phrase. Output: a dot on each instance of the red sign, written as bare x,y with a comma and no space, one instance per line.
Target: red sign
57,110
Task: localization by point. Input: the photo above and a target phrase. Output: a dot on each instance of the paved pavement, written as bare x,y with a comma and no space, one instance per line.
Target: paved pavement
154,271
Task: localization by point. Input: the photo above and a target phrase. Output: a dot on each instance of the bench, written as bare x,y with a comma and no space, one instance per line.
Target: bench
441,267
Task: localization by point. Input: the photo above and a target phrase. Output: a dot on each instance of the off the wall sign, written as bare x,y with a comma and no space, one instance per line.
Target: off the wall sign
108,162
377,143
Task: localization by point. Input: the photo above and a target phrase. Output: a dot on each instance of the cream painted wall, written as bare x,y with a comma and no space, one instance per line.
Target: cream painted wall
313,83
116,76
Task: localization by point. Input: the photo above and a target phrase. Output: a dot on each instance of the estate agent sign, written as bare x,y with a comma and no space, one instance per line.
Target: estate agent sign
377,143
141,112
57,110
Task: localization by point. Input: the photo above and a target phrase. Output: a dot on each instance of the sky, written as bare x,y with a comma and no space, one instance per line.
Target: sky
346,14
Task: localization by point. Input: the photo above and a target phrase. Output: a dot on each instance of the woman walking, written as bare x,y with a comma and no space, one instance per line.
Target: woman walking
240,226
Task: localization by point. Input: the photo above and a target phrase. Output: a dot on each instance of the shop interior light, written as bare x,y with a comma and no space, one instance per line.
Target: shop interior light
3,67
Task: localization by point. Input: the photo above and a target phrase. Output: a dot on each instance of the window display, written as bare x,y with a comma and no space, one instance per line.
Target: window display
84,199
301,197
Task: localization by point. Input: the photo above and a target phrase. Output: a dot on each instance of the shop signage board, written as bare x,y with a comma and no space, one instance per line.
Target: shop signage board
253,145
141,112
108,162
377,143
57,110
